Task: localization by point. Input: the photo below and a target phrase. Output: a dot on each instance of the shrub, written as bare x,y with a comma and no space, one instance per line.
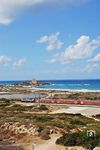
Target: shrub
43,118
77,122
4,102
43,107
79,139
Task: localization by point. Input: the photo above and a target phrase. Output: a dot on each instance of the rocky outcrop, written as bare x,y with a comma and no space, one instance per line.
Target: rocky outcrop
33,83
18,129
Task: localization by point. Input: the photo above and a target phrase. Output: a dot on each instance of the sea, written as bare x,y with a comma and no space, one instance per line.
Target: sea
89,84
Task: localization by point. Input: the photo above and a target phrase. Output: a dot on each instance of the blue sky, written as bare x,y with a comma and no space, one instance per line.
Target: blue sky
47,39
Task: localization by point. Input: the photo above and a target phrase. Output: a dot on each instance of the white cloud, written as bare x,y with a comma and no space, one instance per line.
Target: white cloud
83,49
95,59
19,63
54,59
8,61
52,41
10,8
91,67
4,60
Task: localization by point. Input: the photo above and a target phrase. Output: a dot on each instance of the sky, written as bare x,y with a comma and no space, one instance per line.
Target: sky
49,39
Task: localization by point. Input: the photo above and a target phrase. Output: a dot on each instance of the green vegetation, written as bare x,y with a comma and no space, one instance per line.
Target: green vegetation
34,115
77,122
18,107
97,117
4,102
43,107
79,139
79,95
9,111
42,118
74,96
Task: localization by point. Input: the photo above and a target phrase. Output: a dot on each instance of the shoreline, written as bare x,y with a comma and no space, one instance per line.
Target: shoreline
62,90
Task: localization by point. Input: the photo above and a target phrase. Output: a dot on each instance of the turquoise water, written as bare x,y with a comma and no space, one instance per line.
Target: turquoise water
72,84
65,84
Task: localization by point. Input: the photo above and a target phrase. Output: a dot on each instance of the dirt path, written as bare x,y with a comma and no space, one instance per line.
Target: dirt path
50,144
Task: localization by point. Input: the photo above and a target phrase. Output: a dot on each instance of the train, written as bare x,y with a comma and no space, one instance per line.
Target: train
61,101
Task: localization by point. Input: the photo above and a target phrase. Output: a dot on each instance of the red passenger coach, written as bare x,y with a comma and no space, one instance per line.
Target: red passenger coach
61,101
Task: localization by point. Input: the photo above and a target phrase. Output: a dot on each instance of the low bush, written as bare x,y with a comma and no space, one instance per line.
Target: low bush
43,118
79,139
43,107
77,122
